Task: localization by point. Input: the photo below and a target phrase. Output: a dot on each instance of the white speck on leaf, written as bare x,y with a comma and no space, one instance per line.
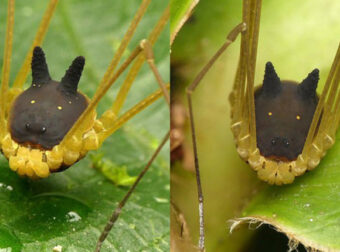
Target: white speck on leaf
73,217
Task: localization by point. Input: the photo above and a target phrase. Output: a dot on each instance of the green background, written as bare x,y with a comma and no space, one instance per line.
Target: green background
38,215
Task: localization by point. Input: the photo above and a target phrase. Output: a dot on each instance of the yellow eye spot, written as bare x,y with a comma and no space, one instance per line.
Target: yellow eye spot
270,113
60,107
298,117
33,101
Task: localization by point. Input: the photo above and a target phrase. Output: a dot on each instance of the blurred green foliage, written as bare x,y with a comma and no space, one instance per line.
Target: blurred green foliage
180,10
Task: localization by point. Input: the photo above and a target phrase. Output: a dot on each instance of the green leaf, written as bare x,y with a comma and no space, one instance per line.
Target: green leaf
71,208
180,12
307,211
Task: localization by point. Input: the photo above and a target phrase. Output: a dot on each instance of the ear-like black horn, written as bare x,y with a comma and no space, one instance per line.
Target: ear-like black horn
271,82
40,74
72,76
308,86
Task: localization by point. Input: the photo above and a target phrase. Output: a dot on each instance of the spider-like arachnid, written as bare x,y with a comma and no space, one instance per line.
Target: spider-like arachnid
51,125
281,128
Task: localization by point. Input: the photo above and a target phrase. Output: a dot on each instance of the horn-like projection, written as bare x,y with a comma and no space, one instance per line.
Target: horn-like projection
308,86
40,74
69,82
271,82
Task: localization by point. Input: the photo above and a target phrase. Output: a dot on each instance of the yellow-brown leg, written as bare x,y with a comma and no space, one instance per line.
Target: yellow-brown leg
230,38
125,88
321,134
6,67
116,124
242,99
109,118
150,59
76,130
126,40
117,211
24,70
110,123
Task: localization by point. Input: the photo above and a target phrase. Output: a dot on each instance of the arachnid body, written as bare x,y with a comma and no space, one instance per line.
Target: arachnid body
41,116
284,111
282,129
51,125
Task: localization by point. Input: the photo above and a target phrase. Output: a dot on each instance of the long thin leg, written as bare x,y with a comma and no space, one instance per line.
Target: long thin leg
230,38
119,101
149,55
329,85
121,204
76,128
108,119
325,136
6,65
242,97
94,102
115,125
126,39
24,70
253,39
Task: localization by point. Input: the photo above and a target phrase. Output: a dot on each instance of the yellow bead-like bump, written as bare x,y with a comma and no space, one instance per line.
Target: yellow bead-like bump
60,107
74,144
108,118
98,126
23,152
15,163
70,157
277,173
300,166
29,169
54,158
35,163
255,160
270,113
298,117
71,153
41,169
9,147
91,140
22,170
33,101
19,164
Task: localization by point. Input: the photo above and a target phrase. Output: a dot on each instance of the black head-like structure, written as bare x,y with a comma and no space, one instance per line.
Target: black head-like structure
284,111
42,115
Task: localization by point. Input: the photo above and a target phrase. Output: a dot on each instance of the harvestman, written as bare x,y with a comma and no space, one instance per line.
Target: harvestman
282,129
33,135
